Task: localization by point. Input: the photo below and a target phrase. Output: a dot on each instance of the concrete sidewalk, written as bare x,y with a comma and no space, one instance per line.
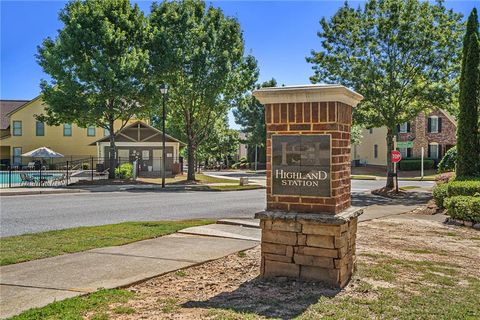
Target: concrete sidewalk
40,282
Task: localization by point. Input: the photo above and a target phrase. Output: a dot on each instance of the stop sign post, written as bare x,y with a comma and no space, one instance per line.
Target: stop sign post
396,157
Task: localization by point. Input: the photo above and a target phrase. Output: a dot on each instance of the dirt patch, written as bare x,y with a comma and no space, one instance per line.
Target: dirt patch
395,255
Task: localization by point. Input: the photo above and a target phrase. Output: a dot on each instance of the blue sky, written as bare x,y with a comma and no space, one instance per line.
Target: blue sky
280,34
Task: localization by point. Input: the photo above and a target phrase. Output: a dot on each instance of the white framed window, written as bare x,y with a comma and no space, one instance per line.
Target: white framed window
17,128
433,124
67,130
91,131
39,129
433,150
403,128
17,155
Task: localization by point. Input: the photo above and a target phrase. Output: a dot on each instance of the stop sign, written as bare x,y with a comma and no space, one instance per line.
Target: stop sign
396,156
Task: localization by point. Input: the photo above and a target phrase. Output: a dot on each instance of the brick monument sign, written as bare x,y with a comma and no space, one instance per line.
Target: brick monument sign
309,228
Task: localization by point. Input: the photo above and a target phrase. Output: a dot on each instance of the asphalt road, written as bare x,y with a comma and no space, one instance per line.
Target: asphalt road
36,213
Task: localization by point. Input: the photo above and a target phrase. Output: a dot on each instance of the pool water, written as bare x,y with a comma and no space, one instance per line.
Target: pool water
16,179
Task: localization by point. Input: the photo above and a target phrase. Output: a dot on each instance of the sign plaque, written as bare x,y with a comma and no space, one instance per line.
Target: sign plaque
301,165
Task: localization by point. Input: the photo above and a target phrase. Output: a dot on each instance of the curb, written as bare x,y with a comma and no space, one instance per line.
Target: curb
27,193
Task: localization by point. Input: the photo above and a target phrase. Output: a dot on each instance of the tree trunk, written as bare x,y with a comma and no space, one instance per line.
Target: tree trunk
113,153
390,147
191,161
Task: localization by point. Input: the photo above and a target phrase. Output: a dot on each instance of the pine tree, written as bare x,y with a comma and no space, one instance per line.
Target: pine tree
468,137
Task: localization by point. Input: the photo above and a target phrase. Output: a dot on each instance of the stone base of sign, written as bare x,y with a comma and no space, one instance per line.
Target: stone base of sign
316,247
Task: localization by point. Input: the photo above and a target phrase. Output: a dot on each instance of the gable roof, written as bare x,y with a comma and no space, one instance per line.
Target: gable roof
449,116
144,133
7,107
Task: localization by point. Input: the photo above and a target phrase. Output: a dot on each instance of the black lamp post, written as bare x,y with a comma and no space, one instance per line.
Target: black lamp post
163,90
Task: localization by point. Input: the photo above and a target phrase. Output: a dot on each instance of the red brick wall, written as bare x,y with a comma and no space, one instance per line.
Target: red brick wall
334,118
421,137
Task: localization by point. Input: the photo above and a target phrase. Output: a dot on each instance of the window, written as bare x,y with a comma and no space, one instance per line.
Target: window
67,130
17,155
403,152
39,129
375,151
404,127
17,128
91,131
434,124
433,151
106,132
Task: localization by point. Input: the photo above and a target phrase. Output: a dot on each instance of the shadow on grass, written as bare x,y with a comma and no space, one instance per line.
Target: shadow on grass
284,298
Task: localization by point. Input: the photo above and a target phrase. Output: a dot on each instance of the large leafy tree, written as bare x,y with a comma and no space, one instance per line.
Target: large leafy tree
221,144
468,142
402,56
199,53
250,115
97,64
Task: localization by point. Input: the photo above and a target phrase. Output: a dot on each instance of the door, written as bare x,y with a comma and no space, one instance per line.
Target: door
157,160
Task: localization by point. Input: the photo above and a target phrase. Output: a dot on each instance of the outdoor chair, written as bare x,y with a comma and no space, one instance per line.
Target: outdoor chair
26,179
59,180
31,165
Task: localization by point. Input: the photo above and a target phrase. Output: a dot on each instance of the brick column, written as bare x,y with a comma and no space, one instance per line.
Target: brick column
308,230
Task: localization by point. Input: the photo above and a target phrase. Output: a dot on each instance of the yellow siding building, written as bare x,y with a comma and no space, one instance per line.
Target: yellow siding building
372,149
21,132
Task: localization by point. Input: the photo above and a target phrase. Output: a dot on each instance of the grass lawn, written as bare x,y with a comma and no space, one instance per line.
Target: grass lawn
234,187
53,243
96,304
181,179
362,177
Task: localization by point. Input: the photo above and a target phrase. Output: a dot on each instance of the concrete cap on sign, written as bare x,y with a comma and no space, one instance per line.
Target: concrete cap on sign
308,93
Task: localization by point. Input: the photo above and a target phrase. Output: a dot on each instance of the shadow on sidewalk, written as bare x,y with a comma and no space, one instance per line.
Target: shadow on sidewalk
284,298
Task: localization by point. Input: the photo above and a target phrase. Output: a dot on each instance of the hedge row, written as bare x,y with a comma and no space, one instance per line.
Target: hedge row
463,188
464,208
415,164
455,188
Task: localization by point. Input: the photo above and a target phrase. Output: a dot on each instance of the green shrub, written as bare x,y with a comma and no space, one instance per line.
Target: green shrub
415,164
439,194
124,171
463,188
448,161
464,208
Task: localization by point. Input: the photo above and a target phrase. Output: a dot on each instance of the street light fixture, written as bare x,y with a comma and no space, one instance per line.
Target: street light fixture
163,91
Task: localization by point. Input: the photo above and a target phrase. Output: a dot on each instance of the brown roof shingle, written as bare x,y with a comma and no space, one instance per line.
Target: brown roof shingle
7,106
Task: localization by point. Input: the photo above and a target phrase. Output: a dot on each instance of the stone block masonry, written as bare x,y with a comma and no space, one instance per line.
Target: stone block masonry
315,247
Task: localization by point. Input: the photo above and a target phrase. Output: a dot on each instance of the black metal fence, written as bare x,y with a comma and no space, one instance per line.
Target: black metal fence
56,173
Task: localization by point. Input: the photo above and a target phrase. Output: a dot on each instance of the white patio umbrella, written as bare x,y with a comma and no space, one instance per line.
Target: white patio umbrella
43,152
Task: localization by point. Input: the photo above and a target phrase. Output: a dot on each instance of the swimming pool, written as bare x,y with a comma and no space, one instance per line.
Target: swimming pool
13,178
